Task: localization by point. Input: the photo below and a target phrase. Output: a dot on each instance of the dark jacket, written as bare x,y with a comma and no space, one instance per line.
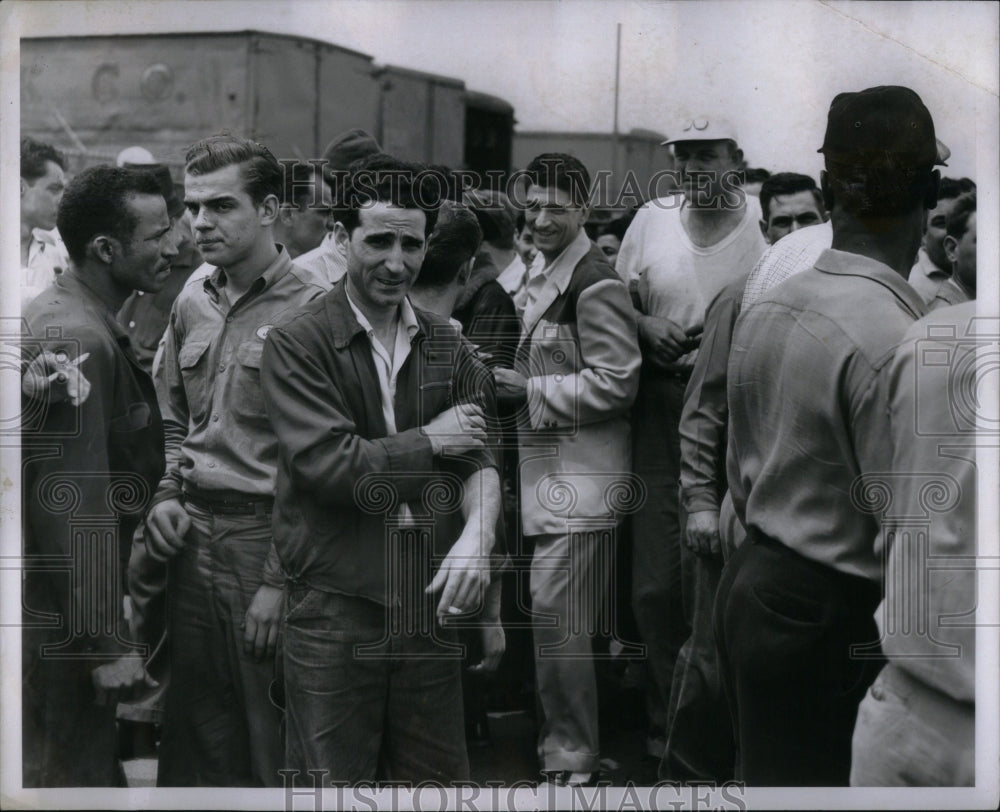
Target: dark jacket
339,475
89,470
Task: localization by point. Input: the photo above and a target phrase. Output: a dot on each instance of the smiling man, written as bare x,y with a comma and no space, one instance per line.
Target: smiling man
577,369
212,512
105,448
377,406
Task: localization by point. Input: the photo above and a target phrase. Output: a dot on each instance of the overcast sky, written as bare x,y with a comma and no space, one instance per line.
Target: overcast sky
770,67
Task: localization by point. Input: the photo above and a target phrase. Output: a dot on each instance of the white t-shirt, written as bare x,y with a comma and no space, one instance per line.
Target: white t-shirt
676,278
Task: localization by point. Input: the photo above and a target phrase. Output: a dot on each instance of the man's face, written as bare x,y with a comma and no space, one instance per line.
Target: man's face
610,245
937,219
701,165
553,218
788,213
961,254
384,254
40,197
525,243
307,223
143,262
226,222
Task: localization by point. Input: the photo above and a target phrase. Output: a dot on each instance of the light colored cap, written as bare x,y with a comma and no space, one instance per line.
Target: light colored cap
703,128
136,156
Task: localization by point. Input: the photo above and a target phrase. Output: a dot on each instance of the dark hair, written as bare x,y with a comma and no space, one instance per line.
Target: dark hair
755,175
455,240
958,218
787,183
298,188
520,221
877,186
96,203
381,178
563,172
950,188
34,156
618,226
262,174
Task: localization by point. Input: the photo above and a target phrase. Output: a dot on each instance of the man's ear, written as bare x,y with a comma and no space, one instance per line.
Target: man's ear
103,248
268,210
824,185
465,272
950,245
341,237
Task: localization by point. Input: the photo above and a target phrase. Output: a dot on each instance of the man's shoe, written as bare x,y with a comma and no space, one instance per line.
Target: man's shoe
566,778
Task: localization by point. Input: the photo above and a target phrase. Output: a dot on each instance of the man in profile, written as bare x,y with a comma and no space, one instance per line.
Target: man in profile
43,179
92,458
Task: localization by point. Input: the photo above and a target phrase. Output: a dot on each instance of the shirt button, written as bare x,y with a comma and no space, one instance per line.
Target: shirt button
131,324
141,292
228,319
211,463
215,418
222,367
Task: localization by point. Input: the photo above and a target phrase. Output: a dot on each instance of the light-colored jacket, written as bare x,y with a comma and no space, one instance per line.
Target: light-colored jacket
579,351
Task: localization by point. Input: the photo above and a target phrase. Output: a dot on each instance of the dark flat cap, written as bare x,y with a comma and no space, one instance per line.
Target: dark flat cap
348,147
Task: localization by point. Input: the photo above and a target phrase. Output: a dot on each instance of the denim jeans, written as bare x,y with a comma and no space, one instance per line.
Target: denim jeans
220,727
368,696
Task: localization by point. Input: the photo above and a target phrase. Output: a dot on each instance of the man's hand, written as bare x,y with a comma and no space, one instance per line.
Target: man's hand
53,376
167,525
494,645
461,427
118,679
464,575
260,635
512,387
664,341
702,533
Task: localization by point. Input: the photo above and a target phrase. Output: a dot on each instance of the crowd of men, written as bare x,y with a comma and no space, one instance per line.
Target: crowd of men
290,431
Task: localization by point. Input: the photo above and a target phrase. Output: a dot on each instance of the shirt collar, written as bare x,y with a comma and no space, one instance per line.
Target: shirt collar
560,272
844,263
407,317
281,265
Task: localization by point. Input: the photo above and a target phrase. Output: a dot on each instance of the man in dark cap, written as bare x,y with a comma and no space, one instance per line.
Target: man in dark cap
326,258
809,440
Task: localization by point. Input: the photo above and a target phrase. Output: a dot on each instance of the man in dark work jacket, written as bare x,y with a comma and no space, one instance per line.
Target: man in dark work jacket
93,453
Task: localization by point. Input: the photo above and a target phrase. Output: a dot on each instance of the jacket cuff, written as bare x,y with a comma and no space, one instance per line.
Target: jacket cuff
698,499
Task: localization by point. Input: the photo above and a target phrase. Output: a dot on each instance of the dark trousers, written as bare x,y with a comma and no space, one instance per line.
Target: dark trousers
785,626
656,532
219,727
370,695
699,728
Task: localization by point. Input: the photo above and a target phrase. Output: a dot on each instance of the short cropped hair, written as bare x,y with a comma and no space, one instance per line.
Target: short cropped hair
96,203
958,218
950,188
887,187
787,183
455,240
34,156
262,174
381,178
563,172
298,184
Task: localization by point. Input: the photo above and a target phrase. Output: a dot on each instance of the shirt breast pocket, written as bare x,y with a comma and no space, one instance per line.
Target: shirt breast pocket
247,385
193,362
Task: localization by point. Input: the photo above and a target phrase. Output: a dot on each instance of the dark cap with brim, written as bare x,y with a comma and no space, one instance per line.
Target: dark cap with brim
348,147
495,212
881,124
